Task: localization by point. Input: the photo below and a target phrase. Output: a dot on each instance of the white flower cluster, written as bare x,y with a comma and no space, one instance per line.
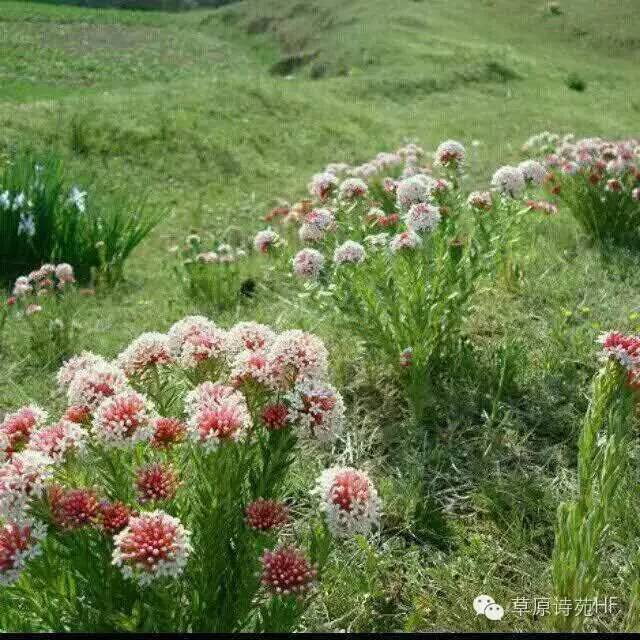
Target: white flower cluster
308,264
21,479
349,252
423,216
508,181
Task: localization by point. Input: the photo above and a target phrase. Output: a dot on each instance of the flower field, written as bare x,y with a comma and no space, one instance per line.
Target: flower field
319,316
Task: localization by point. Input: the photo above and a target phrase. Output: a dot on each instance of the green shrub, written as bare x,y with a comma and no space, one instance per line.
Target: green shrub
599,181
576,83
585,524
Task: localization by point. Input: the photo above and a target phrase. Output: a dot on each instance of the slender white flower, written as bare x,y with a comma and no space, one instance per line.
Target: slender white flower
27,225
78,199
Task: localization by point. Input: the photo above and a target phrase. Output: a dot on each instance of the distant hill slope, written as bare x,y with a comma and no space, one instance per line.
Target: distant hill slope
345,35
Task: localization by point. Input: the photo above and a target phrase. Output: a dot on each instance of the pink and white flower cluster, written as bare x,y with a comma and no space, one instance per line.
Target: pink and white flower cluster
349,501
263,382
153,545
47,278
613,165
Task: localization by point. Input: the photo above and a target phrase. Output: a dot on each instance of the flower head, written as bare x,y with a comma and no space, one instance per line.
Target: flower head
266,514
113,517
265,239
71,367
79,414
156,482
406,357
251,336
276,416
286,571
481,200
405,240
146,351
349,252
91,385
316,224
167,432
614,185
450,154
73,508
508,181
151,546
21,479
622,348
322,185
298,356
318,408
423,217
196,339
353,188
533,171
206,394
17,427
22,287
217,417
349,500
308,264
412,190
64,273
19,542
57,440
253,366
123,420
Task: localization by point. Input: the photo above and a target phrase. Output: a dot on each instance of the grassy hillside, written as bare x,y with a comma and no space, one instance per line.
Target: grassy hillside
216,114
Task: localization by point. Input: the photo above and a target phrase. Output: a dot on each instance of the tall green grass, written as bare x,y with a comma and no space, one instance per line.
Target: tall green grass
45,217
